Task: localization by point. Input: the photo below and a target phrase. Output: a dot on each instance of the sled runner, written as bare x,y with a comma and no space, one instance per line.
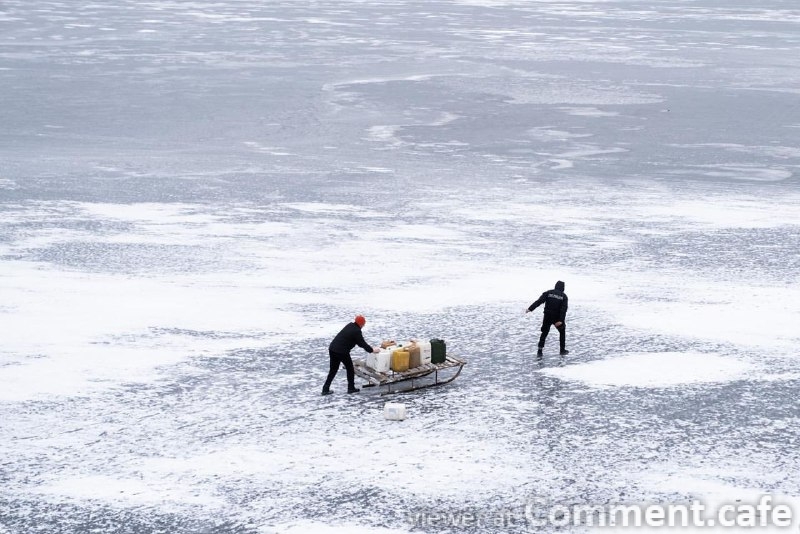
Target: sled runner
424,376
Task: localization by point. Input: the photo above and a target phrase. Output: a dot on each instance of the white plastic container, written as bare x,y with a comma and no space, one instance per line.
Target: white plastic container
424,352
380,362
394,411
384,360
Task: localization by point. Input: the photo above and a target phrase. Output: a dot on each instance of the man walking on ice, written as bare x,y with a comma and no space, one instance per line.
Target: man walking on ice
339,352
555,313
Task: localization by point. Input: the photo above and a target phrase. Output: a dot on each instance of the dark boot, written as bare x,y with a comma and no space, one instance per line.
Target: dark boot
539,353
564,352
326,391
353,389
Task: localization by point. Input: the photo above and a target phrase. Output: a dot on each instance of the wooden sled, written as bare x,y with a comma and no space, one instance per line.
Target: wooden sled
425,376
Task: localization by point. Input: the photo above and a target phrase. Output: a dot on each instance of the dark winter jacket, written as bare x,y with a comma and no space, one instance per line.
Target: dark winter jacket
349,337
555,302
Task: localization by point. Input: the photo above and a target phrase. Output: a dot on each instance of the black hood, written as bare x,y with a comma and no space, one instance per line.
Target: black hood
560,286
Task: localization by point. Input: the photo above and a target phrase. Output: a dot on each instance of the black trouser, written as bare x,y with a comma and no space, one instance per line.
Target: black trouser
337,359
548,321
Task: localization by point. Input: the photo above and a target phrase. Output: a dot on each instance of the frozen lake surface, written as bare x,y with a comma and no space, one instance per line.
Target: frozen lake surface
196,196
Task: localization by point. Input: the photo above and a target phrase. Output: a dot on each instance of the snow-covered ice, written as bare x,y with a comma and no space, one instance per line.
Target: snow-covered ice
196,196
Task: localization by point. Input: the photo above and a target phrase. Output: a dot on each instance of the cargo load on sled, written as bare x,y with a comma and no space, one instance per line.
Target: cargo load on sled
409,365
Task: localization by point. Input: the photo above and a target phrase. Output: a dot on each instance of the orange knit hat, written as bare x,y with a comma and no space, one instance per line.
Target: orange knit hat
360,321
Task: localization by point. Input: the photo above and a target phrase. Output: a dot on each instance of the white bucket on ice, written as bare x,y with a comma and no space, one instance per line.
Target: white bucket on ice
394,411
